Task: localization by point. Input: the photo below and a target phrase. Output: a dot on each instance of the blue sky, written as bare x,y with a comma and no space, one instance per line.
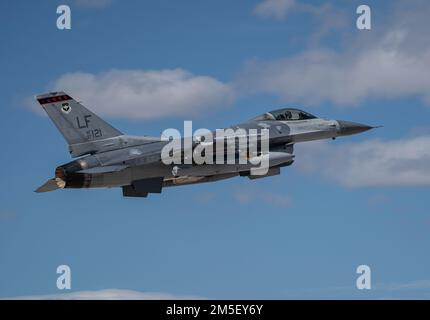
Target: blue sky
356,200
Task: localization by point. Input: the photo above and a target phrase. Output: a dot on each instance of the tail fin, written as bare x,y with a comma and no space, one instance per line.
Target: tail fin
76,123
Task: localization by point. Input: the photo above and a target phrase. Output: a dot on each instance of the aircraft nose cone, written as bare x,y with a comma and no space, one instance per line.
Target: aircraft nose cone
348,127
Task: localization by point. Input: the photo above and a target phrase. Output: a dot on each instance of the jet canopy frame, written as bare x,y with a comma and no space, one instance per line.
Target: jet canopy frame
285,114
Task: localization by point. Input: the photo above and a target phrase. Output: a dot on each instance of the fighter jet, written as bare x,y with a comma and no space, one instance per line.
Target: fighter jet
108,158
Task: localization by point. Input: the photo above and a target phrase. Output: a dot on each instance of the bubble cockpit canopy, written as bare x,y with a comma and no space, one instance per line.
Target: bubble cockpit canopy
286,114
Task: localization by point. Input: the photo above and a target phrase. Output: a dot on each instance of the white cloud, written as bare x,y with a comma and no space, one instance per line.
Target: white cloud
328,17
274,8
382,71
397,162
416,289
412,285
248,195
108,294
388,62
146,94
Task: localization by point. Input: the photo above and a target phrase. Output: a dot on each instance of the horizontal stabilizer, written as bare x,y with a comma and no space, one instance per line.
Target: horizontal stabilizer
105,169
50,185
